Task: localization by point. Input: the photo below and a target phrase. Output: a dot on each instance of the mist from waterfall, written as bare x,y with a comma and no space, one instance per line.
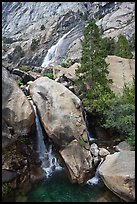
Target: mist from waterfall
57,51
49,162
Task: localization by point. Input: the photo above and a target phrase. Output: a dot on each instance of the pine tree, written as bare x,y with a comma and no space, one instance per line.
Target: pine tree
92,74
123,48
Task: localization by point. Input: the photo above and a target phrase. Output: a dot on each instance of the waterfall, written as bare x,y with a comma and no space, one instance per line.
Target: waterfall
57,51
90,135
49,162
96,178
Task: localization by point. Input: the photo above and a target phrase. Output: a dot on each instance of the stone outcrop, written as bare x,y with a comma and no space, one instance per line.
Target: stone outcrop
60,112
121,71
118,174
16,109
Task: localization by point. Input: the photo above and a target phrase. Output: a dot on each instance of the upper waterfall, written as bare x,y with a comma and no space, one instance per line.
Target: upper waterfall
57,51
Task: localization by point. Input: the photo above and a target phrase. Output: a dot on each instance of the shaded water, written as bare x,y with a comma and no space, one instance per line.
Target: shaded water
58,188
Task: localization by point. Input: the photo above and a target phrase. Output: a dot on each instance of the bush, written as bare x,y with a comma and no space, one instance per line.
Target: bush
34,44
42,27
7,40
17,54
68,63
24,68
49,75
121,114
19,82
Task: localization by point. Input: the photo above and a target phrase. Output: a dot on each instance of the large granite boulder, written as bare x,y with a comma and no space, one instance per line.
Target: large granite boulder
16,108
118,174
78,161
60,112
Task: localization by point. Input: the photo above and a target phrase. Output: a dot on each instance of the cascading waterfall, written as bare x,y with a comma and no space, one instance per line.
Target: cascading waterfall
90,136
96,178
49,162
57,51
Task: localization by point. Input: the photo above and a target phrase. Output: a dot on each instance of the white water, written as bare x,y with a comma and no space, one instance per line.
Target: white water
56,52
95,179
49,162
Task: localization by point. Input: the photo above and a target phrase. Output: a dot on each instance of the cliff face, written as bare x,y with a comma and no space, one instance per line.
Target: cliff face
24,21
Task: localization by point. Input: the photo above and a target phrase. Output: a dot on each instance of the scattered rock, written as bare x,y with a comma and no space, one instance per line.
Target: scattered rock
103,152
94,149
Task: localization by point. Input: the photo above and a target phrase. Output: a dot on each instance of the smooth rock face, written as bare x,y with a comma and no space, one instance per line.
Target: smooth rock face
78,161
59,110
121,71
118,174
16,109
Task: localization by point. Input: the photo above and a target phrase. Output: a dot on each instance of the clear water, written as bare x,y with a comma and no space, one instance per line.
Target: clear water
58,188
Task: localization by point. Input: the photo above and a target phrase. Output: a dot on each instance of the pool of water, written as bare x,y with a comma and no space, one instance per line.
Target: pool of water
58,188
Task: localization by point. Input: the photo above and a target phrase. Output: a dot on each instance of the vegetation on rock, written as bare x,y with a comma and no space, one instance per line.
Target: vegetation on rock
17,54
34,44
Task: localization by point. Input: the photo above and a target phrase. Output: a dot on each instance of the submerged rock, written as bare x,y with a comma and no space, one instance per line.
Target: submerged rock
118,174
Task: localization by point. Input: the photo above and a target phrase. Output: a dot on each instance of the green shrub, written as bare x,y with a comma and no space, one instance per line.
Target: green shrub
121,114
81,142
24,68
49,75
34,44
19,82
17,54
68,63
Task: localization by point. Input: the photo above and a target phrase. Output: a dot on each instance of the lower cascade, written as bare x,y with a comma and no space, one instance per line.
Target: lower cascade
49,162
94,180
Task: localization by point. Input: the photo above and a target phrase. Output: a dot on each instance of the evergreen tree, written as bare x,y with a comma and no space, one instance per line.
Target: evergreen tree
92,74
123,48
